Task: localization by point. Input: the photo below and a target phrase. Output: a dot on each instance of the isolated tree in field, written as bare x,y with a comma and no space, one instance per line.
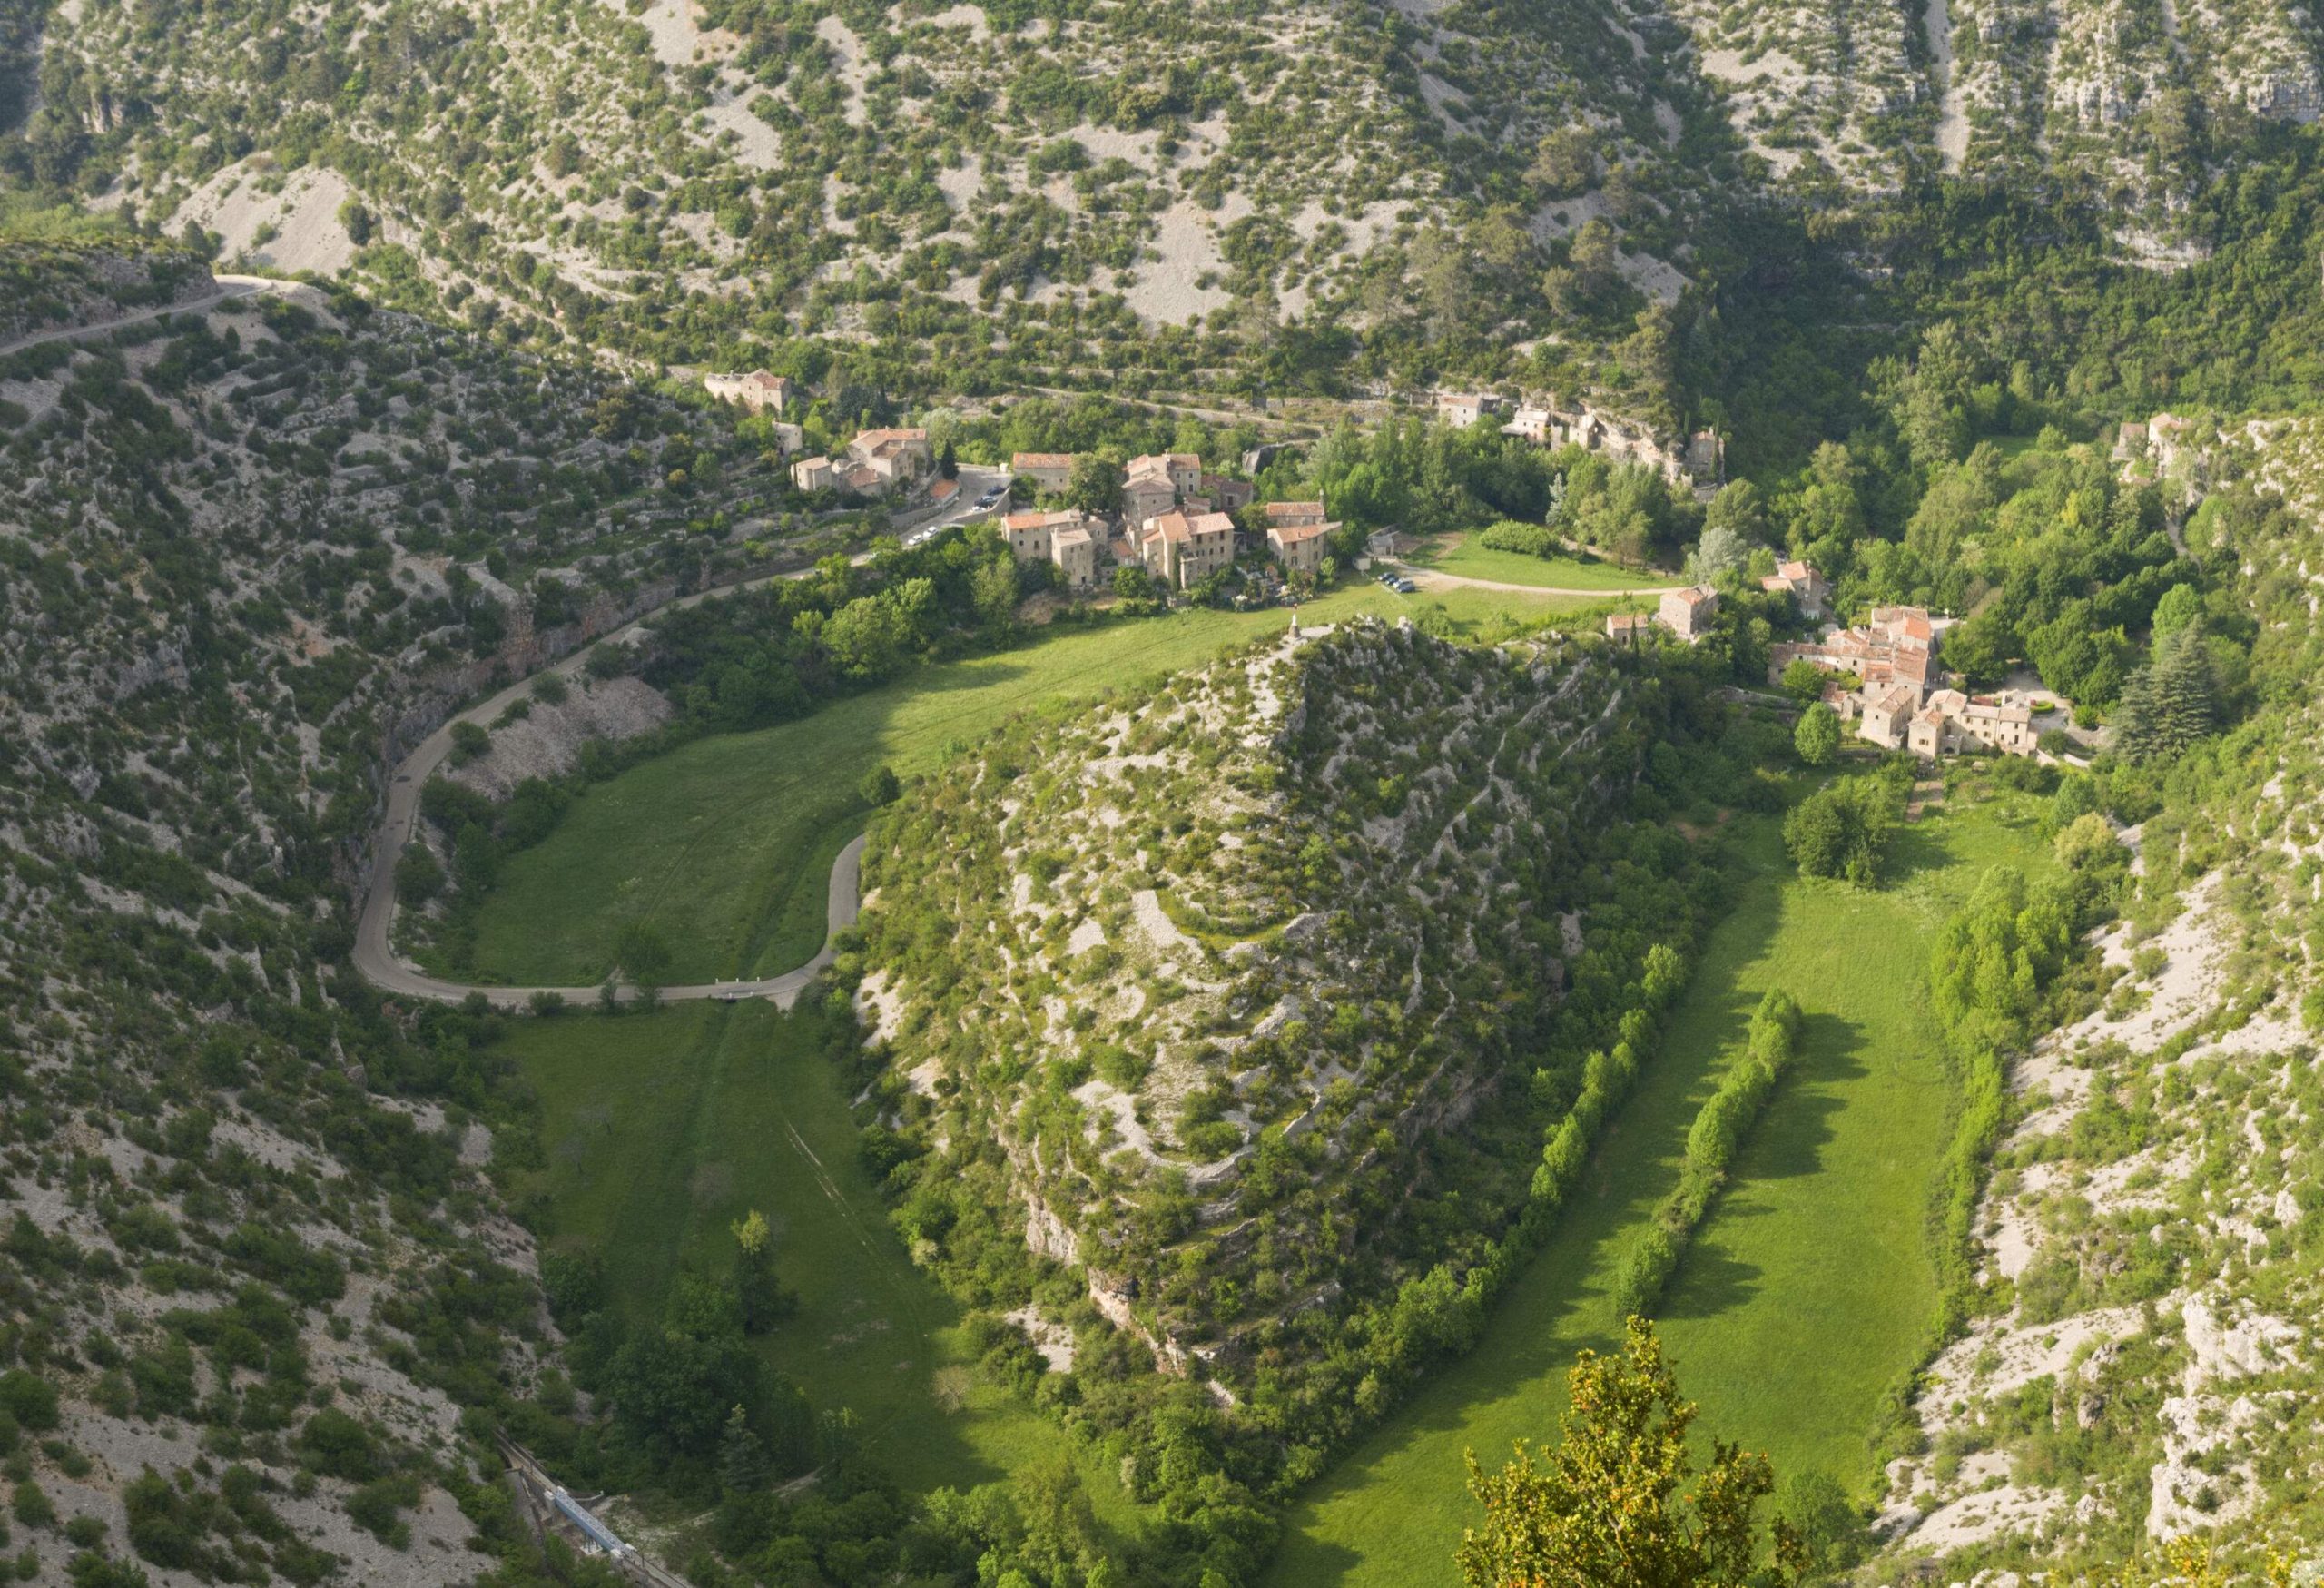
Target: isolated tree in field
1817,736
761,1295
1840,831
880,786
1618,1500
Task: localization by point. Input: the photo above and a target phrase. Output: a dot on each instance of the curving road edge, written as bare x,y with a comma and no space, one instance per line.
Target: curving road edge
375,956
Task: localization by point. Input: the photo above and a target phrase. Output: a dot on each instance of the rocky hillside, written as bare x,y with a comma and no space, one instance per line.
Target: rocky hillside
831,167
2151,1249
1215,969
671,177
255,1272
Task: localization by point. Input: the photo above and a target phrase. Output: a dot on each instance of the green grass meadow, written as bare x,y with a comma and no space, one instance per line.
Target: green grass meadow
664,1129
724,844
1809,1289
1460,555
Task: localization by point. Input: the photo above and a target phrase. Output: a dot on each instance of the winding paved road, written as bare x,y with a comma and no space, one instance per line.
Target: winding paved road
375,956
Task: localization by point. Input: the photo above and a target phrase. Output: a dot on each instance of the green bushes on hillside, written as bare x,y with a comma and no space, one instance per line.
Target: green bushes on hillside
1993,961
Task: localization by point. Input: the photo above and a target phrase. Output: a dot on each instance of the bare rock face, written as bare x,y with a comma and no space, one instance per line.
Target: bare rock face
546,741
1224,954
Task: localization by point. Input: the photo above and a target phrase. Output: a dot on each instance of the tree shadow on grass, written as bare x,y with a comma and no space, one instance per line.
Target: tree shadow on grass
1914,847
1797,1128
1788,1142
1710,1281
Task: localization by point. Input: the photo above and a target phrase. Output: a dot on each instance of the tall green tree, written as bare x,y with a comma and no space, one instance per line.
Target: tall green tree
2171,705
1618,1500
1817,736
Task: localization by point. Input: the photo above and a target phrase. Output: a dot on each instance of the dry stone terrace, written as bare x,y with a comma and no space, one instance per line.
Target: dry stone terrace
1232,945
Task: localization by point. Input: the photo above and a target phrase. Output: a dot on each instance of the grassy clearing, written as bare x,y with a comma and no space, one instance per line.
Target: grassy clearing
1460,555
724,844
663,1128
1808,1289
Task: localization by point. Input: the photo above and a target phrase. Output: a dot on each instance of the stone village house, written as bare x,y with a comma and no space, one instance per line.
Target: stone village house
758,390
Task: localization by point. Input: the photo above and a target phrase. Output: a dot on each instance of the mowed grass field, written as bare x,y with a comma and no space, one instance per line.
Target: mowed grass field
664,1129
725,845
1460,555
1809,1290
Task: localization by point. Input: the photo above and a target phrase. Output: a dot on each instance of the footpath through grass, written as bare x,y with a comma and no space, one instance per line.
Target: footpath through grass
1809,1289
663,1128
725,845
1460,555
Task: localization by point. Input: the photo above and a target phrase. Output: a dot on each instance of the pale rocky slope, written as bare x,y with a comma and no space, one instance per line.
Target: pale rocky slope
249,1238
1212,966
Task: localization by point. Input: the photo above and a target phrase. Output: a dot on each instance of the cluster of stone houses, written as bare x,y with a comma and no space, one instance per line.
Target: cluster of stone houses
874,462
1173,522
2161,441
1903,700
1699,461
1686,614
1071,541
1896,648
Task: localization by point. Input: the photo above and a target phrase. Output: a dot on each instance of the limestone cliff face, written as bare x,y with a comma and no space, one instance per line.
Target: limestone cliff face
1208,965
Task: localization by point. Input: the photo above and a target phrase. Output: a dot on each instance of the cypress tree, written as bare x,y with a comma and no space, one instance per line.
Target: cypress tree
743,1467
2136,729
2186,695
